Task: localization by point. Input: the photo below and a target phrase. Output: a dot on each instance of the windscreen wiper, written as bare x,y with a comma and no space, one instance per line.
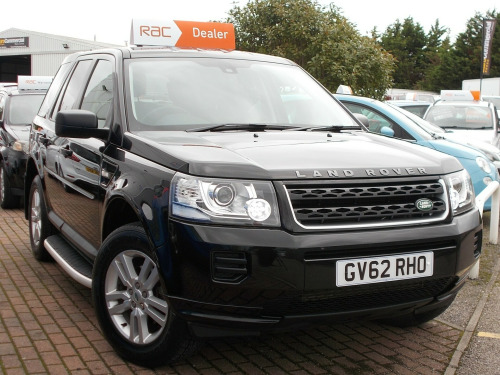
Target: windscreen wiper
461,127
436,136
249,127
330,128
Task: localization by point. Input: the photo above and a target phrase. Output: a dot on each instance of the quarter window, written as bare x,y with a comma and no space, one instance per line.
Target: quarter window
99,93
77,81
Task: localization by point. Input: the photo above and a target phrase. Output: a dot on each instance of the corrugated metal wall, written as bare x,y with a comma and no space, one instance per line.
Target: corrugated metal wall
46,64
47,50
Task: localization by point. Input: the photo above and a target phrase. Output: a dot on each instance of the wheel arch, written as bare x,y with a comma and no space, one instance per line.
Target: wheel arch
119,212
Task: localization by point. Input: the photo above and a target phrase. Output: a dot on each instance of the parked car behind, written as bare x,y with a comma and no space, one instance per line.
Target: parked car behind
492,99
495,100
384,118
18,106
465,117
414,106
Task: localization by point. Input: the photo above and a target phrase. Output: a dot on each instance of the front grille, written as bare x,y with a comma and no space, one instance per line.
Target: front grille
330,204
360,297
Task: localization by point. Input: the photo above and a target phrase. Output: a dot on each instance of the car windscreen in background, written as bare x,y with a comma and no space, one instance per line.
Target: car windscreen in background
23,108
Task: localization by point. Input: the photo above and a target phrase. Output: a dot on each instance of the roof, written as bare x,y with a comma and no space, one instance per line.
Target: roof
409,102
148,51
469,103
15,92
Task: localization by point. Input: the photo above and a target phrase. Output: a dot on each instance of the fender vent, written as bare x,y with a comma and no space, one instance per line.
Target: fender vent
229,267
478,238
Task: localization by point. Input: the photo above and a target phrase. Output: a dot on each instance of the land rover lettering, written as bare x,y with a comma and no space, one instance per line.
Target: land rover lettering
361,173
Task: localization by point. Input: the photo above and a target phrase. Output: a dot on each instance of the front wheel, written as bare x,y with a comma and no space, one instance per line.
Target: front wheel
131,304
39,226
7,199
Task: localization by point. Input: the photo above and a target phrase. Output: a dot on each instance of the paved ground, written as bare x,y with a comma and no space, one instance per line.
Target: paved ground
47,325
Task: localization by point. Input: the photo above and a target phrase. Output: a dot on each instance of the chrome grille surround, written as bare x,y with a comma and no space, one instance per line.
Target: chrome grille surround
366,204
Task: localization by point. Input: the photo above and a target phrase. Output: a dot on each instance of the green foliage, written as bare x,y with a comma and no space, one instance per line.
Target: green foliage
326,44
430,62
468,48
317,38
406,42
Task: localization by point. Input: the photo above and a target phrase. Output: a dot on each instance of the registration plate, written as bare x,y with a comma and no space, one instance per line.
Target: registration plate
386,268
92,170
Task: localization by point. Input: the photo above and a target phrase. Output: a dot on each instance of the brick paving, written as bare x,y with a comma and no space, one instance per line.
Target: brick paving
48,325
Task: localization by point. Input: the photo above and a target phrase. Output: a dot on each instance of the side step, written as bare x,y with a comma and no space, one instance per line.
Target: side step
70,260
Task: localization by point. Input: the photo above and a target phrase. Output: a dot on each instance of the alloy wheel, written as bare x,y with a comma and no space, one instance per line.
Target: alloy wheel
36,222
133,298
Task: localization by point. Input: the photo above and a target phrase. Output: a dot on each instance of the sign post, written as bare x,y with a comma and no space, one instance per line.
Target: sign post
488,32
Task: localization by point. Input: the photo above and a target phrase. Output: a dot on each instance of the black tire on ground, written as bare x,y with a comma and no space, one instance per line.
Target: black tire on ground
39,226
7,199
130,304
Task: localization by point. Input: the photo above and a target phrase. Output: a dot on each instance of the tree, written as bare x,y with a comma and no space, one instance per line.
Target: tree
317,38
440,69
444,72
406,42
468,48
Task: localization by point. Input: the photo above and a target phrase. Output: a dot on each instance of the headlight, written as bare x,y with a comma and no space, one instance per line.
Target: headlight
235,202
21,146
483,164
491,152
461,191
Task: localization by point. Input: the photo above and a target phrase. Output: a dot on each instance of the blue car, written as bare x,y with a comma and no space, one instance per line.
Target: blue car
390,120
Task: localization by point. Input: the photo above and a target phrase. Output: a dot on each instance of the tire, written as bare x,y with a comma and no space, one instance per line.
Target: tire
39,226
7,199
129,299
412,319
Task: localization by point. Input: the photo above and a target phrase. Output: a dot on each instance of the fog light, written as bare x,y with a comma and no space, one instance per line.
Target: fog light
258,209
487,180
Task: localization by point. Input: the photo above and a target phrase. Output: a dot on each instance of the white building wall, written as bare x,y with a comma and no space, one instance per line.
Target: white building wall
47,50
46,64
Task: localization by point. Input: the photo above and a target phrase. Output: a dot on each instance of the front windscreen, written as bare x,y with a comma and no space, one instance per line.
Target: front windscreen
460,116
23,108
181,94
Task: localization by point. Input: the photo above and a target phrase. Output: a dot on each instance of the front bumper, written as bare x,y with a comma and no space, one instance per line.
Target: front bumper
241,280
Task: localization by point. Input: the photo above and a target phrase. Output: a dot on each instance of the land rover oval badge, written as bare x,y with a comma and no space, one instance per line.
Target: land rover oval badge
424,204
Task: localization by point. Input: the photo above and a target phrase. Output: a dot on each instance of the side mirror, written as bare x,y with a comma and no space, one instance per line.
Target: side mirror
79,123
387,131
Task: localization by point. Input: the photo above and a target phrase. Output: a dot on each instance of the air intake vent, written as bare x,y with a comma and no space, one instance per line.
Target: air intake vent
229,267
478,238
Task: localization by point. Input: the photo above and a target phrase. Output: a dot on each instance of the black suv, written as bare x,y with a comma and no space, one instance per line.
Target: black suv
211,193
17,110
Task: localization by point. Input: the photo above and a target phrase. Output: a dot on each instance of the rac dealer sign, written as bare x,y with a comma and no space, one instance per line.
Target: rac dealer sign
185,34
